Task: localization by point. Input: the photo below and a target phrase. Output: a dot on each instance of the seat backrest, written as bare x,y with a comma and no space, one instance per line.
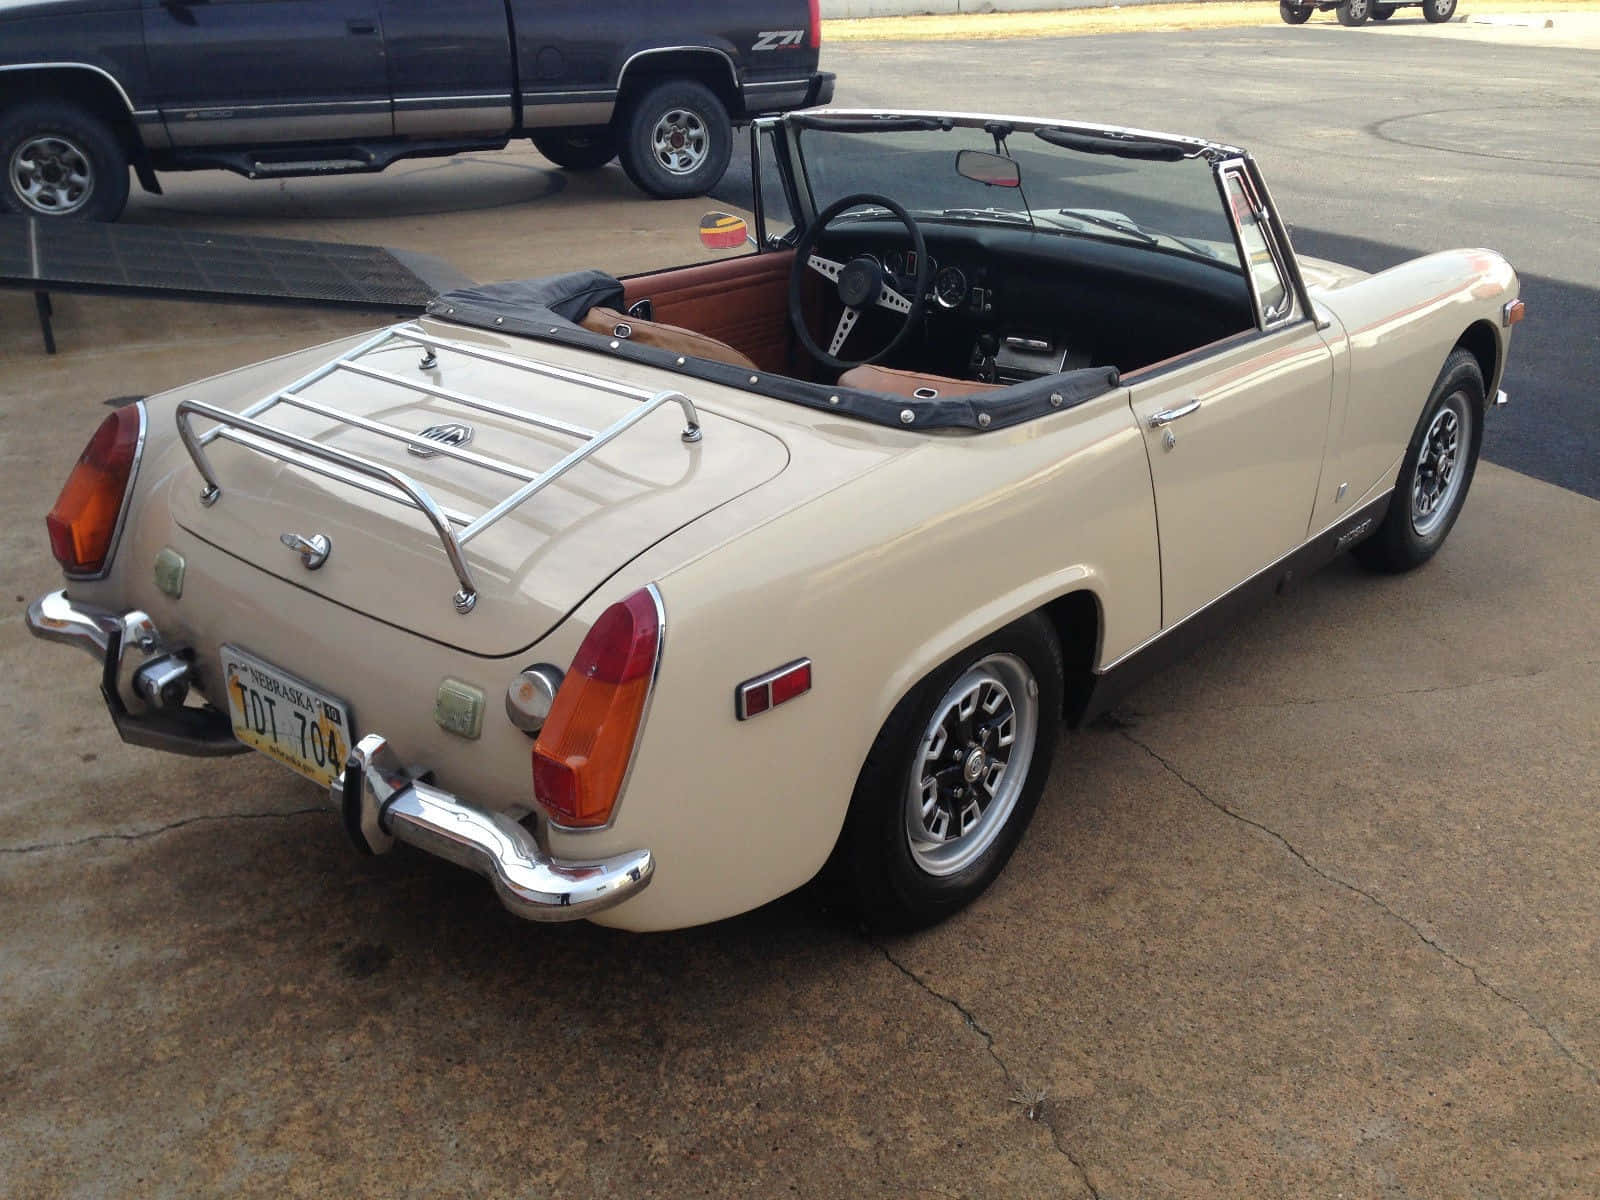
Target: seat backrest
674,338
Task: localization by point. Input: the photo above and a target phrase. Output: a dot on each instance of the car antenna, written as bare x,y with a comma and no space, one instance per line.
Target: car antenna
1000,131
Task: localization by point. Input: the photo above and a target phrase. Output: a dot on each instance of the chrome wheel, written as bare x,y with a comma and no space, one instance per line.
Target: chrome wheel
972,764
51,175
1358,10
1440,465
681,141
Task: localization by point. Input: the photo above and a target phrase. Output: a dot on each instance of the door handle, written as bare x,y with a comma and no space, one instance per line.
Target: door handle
358,25
1168,415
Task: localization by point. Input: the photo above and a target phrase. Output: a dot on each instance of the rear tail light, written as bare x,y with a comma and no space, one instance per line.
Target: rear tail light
83,524
583,751
814,26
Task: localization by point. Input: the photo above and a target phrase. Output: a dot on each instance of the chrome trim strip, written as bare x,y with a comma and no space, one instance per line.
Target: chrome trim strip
74,66
778,83
1158,635
569,97
733,73
244,112
472,100
382,802
127,491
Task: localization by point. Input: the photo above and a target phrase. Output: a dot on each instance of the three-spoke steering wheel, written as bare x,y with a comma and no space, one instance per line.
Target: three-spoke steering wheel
861,283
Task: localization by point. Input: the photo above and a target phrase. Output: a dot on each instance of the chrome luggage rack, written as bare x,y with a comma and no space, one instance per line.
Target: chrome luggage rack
245,429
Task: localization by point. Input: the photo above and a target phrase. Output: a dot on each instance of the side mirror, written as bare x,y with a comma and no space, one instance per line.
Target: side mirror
723,231
995,170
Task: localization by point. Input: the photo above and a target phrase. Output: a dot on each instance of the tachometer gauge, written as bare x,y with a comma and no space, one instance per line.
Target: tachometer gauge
950,288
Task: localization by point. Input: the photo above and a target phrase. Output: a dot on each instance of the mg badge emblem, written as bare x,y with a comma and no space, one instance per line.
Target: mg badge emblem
453,434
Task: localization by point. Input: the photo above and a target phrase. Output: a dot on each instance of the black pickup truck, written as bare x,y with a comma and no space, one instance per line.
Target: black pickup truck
272,88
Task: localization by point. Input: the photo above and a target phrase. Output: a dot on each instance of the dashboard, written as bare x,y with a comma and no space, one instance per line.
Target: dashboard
1005,304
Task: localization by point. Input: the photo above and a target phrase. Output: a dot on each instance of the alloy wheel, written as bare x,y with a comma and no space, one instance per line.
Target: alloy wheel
1439,474
681,141
51,175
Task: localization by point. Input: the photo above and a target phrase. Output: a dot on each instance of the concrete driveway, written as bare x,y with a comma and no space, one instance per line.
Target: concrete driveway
1314,914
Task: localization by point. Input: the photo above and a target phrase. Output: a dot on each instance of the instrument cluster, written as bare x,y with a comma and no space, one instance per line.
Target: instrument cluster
950,288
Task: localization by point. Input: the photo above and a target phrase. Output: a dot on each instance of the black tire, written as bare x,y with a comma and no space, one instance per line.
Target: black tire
697,141
1412,531
1293,14
61,162
576,149
1353,13
1436,12
1382,12
896,886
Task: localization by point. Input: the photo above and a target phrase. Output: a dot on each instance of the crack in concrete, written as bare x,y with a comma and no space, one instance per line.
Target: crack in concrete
1434,944
41,847
973,1023
1368,696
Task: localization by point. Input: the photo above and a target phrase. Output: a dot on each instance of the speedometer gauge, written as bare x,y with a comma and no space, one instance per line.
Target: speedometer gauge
950,288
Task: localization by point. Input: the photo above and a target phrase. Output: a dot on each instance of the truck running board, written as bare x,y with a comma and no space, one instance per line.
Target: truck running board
343,158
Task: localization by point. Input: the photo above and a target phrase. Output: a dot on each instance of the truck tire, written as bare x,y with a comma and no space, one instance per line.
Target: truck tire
576,149
1354,12
1293,14
61,162
675,139
1438,11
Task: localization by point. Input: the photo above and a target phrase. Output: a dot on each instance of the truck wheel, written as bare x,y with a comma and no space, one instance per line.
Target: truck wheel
952,780
1437,11
675,139
1293,14
1382,12
60,161
576,149
1436,473
1354,12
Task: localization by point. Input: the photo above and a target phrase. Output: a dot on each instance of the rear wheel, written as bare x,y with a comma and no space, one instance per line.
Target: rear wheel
1293,14
61,161
1436,473
1354,12
675,139
952,780
1436,11
576,149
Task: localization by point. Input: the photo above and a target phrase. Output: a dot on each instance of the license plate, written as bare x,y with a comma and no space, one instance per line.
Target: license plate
286,718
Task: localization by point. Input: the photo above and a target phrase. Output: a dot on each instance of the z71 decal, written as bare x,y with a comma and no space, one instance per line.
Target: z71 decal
779,39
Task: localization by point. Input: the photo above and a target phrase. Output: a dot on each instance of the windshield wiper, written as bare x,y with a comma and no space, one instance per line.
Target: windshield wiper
1127,227
987,214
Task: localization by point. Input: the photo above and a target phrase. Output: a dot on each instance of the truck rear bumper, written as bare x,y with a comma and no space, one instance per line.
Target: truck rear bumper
782,95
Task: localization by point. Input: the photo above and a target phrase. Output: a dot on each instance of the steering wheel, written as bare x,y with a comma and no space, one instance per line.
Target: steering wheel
861,283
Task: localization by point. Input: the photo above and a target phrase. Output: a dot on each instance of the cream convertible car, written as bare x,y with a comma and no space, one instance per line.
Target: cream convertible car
650,599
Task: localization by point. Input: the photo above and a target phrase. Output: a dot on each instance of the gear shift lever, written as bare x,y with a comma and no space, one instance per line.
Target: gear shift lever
988,346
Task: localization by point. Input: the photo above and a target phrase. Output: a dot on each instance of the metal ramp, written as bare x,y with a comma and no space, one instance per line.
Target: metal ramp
45,256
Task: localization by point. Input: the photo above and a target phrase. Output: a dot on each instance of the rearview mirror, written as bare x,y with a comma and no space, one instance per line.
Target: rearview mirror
995,170
723,231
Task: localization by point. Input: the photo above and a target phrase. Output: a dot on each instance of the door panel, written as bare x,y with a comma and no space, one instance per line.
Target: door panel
741,301
251,72
1236,474
449,66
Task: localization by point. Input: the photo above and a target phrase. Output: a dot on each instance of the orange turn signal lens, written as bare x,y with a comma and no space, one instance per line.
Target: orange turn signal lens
83,523
583,751
1513,312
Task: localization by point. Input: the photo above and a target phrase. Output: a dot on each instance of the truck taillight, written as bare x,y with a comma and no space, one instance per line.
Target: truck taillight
83,523
583,751
814,29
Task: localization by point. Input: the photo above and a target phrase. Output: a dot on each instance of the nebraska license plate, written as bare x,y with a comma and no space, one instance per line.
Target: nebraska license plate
286,718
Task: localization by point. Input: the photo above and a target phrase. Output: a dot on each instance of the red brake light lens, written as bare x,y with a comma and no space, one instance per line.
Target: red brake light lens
814,26
83,523
584,748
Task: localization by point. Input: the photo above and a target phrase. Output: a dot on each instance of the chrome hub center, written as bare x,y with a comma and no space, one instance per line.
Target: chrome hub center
977,762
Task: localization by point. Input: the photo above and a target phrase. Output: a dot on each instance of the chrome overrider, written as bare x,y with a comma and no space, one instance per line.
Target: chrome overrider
381,801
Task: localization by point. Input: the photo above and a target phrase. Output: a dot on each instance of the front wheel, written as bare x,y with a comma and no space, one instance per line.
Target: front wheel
1436,473
675,139
576,149
952,780
61,162
1437,11
1293,14
1354,12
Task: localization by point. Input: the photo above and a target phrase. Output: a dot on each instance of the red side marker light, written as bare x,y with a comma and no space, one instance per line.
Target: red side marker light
755,696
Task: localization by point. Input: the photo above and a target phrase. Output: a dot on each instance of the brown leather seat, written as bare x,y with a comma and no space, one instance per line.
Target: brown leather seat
674,338
911,383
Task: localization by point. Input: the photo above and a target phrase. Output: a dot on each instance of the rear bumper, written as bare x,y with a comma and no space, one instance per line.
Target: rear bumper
381,801
760,99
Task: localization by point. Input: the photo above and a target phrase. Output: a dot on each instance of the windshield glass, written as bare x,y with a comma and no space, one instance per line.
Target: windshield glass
1171,206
